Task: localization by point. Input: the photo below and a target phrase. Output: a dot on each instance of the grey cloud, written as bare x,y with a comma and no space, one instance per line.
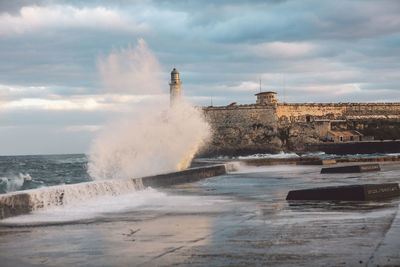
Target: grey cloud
14,6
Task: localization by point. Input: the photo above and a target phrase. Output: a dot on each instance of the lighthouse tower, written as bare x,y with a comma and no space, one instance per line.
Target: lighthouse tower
175,87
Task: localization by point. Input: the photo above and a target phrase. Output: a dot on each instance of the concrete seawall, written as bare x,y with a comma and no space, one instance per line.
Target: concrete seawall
23,202
186,176
300,161
365,147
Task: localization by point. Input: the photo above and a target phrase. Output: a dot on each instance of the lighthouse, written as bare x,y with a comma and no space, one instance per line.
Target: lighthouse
175,87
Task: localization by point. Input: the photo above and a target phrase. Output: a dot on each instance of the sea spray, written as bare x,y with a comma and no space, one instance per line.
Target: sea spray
155,138
153,141
131,70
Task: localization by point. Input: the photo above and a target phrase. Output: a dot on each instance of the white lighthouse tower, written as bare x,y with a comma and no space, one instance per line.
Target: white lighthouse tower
175,87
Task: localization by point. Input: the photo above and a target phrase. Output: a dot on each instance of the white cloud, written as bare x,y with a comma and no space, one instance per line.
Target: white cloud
284,49
106,102
331,90
33,18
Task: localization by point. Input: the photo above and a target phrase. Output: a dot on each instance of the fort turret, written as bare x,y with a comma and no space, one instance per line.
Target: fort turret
266,98
175,87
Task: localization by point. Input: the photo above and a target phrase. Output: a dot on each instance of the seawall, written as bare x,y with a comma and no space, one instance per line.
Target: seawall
302,160
23,202
365,147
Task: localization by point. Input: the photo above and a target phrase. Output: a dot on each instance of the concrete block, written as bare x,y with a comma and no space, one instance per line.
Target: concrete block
362,192
352,169
186,176
317,162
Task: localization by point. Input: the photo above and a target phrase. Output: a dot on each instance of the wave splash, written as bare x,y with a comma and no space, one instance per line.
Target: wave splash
155,140
14,182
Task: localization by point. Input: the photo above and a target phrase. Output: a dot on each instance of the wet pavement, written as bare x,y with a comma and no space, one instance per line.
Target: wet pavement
238,219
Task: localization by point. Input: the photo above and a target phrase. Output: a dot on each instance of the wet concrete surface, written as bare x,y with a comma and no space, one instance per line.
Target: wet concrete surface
238,219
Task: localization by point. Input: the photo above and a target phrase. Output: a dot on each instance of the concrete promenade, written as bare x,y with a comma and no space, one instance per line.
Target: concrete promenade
237,219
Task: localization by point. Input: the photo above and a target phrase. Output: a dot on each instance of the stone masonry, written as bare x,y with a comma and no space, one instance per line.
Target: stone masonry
268,128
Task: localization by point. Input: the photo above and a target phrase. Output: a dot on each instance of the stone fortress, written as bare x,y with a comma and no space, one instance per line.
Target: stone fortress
268,126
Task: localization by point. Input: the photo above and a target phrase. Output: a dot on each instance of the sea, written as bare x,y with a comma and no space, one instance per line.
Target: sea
29,172
36,171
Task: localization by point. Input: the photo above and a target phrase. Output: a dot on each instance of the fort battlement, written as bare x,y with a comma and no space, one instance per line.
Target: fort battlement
319,110
333,111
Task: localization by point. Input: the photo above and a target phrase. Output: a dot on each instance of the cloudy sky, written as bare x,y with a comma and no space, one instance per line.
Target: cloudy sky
68,67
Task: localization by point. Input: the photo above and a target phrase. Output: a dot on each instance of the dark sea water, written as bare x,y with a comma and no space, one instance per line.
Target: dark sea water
28,172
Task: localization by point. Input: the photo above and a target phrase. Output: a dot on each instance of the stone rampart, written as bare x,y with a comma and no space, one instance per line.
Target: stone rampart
242,129
290,113
246,129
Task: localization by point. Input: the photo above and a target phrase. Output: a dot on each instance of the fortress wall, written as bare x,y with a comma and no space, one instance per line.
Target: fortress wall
291,113
242,129
249,129
372,110
298,112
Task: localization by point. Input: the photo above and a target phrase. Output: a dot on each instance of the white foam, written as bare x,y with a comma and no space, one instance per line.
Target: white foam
148,199
14,182
155,140
290,168
281,155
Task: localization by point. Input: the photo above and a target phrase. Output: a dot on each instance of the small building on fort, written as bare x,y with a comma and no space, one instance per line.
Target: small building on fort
266,98
344,136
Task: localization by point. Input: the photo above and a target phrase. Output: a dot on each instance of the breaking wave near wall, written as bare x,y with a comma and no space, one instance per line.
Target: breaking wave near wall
64,195
155,140
14,182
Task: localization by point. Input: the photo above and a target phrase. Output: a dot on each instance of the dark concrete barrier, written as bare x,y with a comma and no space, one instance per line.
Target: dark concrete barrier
317,162
361,192
274,161
22,202
352,169
364,147
186,176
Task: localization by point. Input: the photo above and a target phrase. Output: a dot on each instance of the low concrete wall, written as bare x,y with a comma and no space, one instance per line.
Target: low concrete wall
186,176
352,169
367,147
22,202
281,161
318,162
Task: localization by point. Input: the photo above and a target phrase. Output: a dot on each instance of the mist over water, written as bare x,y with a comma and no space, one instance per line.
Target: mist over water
131,70
107,206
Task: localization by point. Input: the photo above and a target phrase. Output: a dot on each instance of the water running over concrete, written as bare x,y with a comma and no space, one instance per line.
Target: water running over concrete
17,203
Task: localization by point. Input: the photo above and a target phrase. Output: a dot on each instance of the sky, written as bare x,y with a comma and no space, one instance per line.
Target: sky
69,67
